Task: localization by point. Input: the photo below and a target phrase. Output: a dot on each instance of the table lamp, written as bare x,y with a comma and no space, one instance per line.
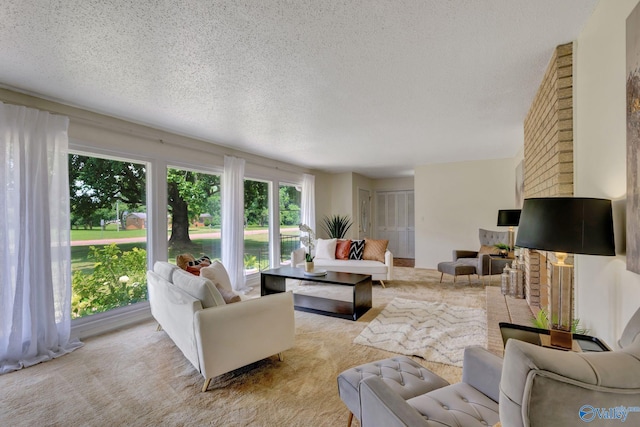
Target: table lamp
577,225
509,218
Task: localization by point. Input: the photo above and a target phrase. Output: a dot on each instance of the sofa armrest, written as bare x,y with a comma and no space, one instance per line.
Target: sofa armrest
381,406
174,309
235,335
297,256
388,261
463,254
482,370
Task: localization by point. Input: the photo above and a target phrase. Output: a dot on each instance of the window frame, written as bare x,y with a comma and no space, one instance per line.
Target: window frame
130,146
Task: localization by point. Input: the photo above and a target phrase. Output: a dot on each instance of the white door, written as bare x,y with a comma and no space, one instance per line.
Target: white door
395,221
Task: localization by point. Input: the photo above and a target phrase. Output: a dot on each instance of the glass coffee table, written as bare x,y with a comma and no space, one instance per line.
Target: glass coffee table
581,343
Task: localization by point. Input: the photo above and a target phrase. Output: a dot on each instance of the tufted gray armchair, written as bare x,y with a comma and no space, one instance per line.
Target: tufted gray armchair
473,402
482,261
547,387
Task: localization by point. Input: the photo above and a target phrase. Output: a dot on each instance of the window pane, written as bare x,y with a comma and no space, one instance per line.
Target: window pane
290,200
256,229
194,214
108,234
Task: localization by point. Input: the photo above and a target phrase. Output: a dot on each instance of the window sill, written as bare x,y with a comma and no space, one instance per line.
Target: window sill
111,320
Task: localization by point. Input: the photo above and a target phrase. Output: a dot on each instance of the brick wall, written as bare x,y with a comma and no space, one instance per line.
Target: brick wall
548,131
548,158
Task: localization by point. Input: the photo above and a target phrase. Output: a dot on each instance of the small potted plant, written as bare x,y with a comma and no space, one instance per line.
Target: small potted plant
308,262
503,248
308,242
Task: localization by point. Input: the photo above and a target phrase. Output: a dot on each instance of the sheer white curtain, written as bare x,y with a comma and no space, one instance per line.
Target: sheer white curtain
232,199
35,255
308,202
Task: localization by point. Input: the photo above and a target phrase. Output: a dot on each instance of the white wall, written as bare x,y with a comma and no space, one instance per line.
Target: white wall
454,200
606,293
394,184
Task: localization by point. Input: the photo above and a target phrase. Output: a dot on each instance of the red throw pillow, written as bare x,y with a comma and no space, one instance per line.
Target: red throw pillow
342,249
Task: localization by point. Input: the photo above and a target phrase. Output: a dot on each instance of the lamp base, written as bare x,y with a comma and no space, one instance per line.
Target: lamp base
561,339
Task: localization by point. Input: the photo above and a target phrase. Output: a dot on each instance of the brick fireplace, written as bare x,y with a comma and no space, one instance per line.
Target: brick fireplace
548,159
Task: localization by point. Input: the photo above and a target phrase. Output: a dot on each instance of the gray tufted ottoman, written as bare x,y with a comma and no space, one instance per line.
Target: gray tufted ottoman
403,375
455,268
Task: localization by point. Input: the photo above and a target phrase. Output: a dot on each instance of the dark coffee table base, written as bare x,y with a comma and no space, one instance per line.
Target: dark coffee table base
274,281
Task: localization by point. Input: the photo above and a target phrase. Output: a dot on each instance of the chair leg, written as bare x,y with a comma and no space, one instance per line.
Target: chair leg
350,419
441,274
382,283
454,278
206,384
281,356
469,278
159,328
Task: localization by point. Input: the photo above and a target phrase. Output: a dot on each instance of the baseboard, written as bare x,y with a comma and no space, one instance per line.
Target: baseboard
101,323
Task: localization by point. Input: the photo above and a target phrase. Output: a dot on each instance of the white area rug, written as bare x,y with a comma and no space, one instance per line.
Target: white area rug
434,331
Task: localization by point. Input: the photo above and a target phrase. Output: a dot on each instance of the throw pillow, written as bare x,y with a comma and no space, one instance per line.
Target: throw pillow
374,249
183,260
356,249
188,263
199,288
326,248
218,275
342,249
228,296
491,250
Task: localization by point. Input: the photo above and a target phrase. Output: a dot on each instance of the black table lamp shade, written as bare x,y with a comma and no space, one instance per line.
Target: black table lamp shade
508,217
577,225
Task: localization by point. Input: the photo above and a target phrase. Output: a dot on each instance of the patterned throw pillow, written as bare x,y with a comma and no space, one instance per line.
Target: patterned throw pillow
374,249
342,249
356,250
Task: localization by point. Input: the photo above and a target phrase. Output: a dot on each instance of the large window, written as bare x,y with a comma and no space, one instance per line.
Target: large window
193,207
256,225
108,233
289,202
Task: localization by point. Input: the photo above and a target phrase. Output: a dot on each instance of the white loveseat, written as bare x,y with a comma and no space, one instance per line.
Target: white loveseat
214,336
378,270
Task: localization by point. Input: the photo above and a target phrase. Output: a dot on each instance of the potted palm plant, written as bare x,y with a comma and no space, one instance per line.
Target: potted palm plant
336,226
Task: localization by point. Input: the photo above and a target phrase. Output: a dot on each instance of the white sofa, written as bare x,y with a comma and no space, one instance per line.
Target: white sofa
378,270
214,336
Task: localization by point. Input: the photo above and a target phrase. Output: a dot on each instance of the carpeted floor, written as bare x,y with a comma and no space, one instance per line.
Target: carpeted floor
137,377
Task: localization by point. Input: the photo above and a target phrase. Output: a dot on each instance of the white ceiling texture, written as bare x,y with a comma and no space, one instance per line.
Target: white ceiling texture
375,87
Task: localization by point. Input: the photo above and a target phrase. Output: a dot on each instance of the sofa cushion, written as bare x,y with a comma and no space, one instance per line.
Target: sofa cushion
374,249
164,270
342,249
198,287
326,249
220,278
356,249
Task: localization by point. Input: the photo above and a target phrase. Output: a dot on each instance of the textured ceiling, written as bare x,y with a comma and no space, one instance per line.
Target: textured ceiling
375,87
